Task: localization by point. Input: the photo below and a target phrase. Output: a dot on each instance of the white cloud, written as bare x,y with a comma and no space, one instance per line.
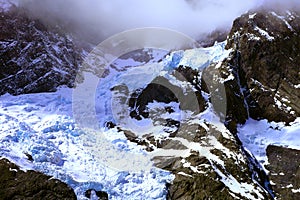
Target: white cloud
104,18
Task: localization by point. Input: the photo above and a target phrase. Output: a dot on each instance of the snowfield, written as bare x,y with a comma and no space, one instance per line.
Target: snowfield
257,135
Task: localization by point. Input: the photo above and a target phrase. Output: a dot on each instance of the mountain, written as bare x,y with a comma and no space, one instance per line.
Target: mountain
265,63
219,122
266,45
34,58
16,184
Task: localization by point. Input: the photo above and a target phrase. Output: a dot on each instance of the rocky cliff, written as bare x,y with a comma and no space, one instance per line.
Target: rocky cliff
266,63
17,184
33,57
261,80
284,171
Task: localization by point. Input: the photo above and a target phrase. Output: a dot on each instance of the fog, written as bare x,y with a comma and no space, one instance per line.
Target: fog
99,19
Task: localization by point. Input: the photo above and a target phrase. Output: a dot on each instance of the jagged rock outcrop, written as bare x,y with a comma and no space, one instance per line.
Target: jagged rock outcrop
33,57
17,184
161,90
284,172
261,80
101,195
209,159
265,61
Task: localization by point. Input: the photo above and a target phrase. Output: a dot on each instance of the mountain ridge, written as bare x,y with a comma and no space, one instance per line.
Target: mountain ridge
260,80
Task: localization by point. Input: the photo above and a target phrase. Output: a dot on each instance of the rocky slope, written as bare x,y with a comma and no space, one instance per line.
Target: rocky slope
284,171
17,184
33,57
266,63
261,80
206,151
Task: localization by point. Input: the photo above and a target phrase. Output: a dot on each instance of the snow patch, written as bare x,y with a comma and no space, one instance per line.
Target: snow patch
284,20
257,135
264,33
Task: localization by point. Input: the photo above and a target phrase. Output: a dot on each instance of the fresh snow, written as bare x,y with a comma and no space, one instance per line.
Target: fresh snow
257,135
296,190
297,86
264,33
43,126
252,16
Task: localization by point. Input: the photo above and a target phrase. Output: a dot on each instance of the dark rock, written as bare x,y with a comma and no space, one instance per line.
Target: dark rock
229,103
17,184
266,59
161,90
29,157
284,171
102,195
33,57
158,90
110,124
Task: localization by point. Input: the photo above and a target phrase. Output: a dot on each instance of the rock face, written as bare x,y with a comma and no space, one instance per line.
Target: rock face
209,159
265,61
261,79
96,194
34,58
161,90
17,184
284,172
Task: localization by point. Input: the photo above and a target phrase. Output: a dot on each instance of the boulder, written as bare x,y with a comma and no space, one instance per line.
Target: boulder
18,184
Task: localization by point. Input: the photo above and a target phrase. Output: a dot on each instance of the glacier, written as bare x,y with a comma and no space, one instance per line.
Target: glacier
42,125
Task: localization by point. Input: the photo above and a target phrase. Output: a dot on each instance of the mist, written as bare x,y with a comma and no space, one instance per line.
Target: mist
99,19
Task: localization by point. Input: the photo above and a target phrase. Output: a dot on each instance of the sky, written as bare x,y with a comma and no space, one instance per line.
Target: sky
104,18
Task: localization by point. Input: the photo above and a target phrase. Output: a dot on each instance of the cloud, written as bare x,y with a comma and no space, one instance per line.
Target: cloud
101,19
281,4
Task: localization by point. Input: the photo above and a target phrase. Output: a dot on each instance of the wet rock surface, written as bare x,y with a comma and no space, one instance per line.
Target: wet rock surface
284,171
17,184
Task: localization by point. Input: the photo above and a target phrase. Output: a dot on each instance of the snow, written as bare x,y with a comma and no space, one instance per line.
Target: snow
252,36
45,126
252,16
264,33
184,174
284,20
296,190
244,189
229,78
257,135
42,126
